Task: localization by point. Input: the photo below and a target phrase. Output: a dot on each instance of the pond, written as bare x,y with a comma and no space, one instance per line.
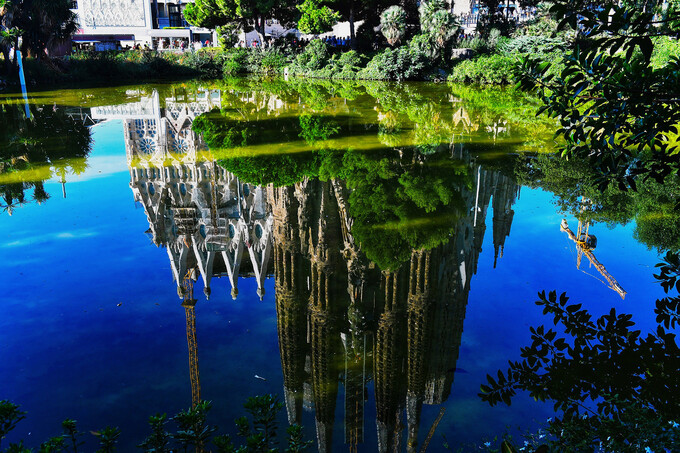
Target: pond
367,251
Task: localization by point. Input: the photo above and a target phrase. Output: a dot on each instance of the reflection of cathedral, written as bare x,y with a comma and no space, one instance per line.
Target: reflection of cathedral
204,216
341,321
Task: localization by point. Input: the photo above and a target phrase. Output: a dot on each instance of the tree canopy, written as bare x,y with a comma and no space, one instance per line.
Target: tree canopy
316,17
616,109
42,24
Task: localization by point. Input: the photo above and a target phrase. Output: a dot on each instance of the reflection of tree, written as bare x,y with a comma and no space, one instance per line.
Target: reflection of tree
315,128
392,193
49,138
612,385
343,317
270,166
652,206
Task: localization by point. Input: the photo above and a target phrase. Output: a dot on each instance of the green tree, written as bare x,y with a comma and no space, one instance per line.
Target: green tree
108,438
437,22
209,13
316,17
246,14
617,110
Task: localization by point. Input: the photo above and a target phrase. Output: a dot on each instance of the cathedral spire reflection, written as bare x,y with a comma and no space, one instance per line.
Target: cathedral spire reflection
343,322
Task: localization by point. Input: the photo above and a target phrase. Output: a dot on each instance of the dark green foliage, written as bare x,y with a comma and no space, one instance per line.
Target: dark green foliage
71,431
668,309
108,438
269,61
10,415
617,110
235,61
273,61
259,433
493,19
315,55
18,448
263,410
402,63
612,385
193,429
159,439
128,65
296,444
53,445
42,25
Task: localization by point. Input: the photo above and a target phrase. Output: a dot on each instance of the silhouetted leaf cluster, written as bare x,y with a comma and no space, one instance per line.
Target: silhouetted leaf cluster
612,385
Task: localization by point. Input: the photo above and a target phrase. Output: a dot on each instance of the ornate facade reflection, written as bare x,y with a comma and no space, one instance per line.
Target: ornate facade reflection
342,322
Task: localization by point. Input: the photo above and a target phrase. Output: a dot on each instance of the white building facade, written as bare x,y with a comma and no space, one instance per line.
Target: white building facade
155,23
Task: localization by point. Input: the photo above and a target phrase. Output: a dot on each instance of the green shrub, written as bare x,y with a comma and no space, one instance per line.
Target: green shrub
403,63
349,64
204,62
425,47
345,66
477,44
314,57
234,61
493,69
273,61
534,45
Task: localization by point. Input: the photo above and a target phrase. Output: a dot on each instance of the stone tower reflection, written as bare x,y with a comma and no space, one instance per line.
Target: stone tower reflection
402,329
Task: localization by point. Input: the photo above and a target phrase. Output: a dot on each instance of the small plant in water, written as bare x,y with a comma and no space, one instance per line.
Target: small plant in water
159,439
53,445
108,438
10,415
193,429
70,431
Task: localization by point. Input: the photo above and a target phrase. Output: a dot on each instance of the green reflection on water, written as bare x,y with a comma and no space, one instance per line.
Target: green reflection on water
50,143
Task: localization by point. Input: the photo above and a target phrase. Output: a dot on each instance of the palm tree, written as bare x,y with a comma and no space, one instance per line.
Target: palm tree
437,21
393,24
9,33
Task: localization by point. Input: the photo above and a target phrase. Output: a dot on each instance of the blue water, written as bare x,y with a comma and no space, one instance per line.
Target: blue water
92,328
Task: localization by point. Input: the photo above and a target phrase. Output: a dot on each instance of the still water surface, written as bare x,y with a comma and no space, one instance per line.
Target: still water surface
368,252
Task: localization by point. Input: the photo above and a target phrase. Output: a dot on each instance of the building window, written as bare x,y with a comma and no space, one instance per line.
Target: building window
74,4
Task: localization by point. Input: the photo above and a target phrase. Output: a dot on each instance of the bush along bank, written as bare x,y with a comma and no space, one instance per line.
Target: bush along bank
438,53
124,66
487,59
